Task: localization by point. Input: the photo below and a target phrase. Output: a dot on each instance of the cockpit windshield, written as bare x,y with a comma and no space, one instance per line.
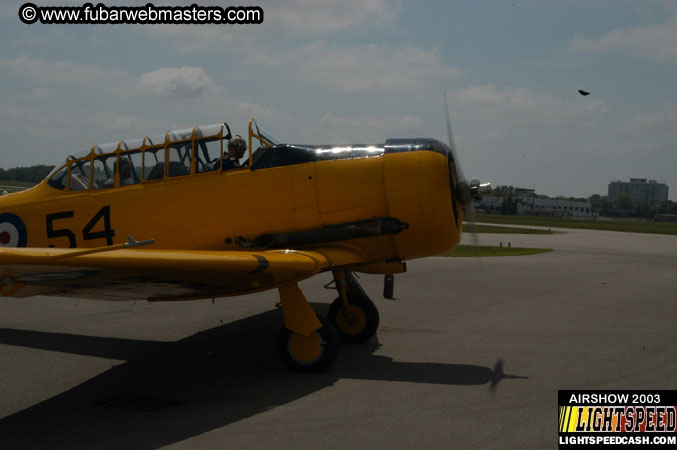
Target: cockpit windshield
72,157
267,134
260,140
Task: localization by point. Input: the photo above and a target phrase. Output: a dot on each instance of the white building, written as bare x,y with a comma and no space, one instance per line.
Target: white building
650,192
528,205
561,208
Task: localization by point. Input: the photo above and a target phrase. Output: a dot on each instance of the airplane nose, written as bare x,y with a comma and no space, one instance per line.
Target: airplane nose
464,192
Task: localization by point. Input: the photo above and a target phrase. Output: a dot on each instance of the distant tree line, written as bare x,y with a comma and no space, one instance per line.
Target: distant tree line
624,202
32,174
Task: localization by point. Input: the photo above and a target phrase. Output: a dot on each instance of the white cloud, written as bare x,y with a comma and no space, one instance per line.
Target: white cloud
406,122
55,71
17,118
165,81
323,16
50,137
302,17
654,126
39,93
10,10
193,38
651,121
29,119
120,123
359,69
655,42
335,129
177,82
33,41
258,111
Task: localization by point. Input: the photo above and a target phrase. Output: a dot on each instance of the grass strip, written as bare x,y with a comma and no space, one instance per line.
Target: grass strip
503,230
469,251
629,226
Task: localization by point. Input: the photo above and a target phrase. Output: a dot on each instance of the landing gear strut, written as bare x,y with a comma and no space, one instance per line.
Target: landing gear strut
305,343
353,314
314,353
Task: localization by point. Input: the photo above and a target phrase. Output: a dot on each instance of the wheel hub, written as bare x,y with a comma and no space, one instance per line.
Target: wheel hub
352,321
305,349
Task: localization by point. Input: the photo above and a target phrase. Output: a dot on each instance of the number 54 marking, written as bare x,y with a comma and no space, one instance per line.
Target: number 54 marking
87,234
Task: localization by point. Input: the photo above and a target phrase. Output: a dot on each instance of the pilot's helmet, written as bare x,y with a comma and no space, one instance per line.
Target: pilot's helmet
239,144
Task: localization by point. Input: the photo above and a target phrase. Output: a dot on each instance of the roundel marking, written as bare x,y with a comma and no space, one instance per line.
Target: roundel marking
12,231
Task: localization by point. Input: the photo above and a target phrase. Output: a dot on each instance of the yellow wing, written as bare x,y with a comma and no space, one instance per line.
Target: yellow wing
157,275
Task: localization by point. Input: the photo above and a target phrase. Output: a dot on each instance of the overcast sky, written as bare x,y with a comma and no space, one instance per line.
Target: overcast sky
362,71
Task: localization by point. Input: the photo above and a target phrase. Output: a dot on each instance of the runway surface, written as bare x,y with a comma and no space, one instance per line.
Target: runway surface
598,312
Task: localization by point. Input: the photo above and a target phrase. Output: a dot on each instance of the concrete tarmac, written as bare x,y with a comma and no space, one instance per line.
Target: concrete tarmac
598,312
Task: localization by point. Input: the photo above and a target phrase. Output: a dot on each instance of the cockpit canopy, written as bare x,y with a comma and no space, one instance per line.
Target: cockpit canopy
200,150
177,152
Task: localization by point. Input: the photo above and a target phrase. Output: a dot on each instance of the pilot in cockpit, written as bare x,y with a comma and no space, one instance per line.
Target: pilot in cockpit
127,172
236,148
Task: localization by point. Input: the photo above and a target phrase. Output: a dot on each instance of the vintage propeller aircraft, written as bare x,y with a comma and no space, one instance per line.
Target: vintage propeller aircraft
287,213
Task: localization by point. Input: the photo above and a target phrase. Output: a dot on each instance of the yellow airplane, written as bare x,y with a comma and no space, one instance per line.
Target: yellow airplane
285,214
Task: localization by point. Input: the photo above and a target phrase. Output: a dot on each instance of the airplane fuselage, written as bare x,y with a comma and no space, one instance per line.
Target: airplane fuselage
408,180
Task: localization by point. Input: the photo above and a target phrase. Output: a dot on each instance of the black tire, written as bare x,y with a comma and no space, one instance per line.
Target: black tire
367,316
329,343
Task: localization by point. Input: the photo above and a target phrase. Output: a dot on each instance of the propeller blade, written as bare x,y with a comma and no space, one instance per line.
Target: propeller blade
463,188
452,143
497,375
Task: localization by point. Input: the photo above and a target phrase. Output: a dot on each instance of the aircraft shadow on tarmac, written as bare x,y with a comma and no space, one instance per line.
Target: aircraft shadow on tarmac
167,392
